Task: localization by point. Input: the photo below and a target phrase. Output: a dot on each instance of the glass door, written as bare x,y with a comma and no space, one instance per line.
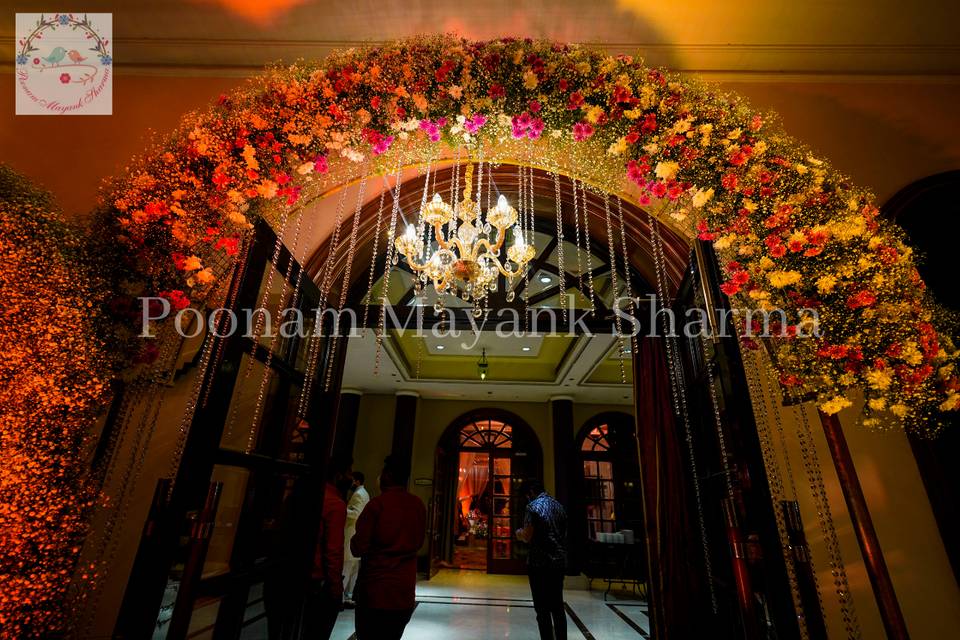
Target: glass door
501,530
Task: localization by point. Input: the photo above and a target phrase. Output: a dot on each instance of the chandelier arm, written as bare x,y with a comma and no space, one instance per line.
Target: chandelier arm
414,265
438,232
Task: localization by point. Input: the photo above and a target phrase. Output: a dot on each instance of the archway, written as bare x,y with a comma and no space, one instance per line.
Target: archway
710,166
481,460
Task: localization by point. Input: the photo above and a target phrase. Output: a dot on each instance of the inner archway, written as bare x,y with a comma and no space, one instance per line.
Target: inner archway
486,454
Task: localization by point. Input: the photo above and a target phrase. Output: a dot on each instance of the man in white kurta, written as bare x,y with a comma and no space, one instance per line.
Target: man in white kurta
351,565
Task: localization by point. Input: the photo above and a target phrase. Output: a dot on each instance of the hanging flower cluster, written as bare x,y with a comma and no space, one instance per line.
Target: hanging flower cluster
53,382
794,234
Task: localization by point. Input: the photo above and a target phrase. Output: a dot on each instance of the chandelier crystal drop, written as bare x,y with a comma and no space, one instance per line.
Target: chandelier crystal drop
464,257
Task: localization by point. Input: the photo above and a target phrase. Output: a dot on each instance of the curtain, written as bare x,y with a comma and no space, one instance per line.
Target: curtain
676,574
474,475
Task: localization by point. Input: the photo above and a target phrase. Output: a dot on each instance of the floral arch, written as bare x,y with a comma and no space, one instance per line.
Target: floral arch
792,232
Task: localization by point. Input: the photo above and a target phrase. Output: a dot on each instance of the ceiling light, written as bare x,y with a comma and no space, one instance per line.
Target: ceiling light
440,347
483,365
525,348
546,279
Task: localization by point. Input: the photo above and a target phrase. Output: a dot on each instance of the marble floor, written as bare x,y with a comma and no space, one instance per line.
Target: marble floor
471,605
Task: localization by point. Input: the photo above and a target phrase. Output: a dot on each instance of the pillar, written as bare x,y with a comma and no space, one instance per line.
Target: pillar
564,461
404,424
347,414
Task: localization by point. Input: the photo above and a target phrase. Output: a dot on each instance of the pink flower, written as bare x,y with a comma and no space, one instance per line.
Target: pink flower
582,131
432,130
382,145
65,78
320,164
473,123
535,128
534,106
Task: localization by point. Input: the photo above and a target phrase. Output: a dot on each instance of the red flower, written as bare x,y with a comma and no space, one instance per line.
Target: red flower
575,101
178,300
65,78
496,91
582,131
861,299
220,179
704,231
730,288
729,181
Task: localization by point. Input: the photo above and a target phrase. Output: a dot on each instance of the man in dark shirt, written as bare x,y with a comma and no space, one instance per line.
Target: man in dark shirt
326,585
390,531
545,530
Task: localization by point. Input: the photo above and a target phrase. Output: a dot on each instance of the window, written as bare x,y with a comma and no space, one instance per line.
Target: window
484,434
598,482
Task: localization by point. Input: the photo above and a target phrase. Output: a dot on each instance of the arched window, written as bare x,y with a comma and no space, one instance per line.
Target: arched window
484,434
599,494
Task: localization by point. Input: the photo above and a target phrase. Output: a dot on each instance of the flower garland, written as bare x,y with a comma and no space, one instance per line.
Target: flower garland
792,232
53,382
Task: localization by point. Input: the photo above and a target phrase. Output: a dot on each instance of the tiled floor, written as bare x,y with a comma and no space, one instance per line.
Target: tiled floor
470,605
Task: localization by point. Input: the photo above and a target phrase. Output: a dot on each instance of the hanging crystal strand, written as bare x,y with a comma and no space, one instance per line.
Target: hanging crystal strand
368,299
561,271
618,322
775,480
761,388
261,311
313,354
105,551
811,465
262,389
586,241
422,279
679,399
631,306
391,260
576,228
527,231
348,271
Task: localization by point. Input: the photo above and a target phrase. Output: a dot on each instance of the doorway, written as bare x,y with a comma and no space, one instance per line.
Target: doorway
482,459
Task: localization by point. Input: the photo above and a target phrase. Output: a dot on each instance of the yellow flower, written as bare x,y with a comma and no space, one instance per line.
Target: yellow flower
204,276
267,189
879,378
250,156
766,263
701,197
825,284
618,147
877,404
724,242
530,80
667,169
594,113
191,263
899,410
780,279
835,405
952,403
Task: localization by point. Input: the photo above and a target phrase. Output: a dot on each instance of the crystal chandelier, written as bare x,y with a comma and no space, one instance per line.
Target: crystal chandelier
464,257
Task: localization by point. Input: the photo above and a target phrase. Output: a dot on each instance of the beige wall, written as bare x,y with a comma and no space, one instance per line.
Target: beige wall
921,574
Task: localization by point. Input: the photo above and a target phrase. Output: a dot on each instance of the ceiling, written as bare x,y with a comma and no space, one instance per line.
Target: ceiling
753,38
586,369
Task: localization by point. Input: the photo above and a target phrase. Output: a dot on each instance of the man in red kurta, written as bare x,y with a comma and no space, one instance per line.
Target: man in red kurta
326,589
390,531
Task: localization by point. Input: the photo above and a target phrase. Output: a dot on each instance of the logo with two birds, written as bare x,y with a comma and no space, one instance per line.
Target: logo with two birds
64,64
